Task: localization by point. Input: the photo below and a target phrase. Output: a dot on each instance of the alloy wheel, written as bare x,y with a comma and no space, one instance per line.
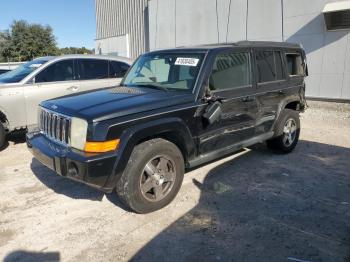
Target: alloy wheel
157,179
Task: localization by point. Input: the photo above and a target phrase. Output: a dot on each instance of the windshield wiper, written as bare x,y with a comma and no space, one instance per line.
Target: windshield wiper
153,86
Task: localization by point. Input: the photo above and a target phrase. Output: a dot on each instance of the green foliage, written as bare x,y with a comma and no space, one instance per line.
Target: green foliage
74,50
25,42
4,44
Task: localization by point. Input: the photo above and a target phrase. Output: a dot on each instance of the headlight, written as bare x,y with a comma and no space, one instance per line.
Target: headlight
78,133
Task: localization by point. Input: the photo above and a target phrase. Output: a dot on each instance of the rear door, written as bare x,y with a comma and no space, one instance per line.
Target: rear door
92,74
231,80
272,86
56,80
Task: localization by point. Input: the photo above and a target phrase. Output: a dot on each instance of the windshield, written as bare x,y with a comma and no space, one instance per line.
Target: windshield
22,71
166,71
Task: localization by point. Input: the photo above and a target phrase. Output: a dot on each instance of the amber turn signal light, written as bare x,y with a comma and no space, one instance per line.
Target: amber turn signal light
101,147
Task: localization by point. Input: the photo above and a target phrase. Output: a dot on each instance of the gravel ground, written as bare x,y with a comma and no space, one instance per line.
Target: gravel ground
251,206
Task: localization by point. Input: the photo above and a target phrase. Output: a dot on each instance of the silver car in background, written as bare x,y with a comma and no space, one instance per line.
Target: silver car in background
22,89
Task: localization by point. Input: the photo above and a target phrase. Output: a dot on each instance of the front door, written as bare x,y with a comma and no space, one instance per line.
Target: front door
231,81
54,81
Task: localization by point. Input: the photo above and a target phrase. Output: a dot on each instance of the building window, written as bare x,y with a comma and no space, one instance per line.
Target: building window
338,20
337,15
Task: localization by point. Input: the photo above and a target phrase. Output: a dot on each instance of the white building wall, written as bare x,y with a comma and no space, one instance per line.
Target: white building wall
116,19
327,51
173,23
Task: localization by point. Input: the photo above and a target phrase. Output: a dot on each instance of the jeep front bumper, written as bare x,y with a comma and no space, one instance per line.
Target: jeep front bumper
91,169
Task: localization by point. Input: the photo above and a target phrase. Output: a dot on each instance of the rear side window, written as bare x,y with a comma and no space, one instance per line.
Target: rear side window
60,71
279,66
117,69
295,64
89,69
270,66
231,70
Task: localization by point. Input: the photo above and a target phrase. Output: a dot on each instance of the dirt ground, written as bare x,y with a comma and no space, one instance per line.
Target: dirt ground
251,206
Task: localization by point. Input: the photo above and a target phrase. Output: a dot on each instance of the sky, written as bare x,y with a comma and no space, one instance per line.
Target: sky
73,21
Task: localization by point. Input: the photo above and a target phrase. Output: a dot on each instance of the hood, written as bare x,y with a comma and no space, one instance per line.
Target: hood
115,102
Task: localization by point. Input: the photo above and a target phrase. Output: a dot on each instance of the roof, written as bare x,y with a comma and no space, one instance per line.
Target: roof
117,58
336,6
253,44
236,44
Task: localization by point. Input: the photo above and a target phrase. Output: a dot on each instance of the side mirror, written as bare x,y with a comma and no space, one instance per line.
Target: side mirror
213,112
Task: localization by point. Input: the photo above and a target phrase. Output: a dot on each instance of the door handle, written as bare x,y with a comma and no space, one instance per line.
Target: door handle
248,99
281,92
73,88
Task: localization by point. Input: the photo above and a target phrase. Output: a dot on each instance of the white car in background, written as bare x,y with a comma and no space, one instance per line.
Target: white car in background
22,89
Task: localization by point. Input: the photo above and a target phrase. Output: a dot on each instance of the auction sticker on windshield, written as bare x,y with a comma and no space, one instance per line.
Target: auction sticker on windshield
186,61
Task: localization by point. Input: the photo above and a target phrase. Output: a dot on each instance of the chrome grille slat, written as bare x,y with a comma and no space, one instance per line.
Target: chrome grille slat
54,125
64,130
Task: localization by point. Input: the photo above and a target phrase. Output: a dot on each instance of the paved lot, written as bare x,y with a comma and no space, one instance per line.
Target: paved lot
253,206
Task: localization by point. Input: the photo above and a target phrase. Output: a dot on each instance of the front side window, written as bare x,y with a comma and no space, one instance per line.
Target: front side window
59,71
230,71
89,69
295,64
22,71
170,71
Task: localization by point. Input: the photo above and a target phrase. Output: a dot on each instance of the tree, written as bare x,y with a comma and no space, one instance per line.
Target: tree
27,41
74,50
4,45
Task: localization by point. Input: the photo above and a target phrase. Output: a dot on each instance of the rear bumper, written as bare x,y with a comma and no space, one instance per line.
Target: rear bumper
91,169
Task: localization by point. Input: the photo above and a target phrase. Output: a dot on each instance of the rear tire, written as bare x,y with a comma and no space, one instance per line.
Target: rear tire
287,131
2,136
153,176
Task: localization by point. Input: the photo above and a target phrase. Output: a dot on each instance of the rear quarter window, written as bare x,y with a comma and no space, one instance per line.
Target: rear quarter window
117,69
295,64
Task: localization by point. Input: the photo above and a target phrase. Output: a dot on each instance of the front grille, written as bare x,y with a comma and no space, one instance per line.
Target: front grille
55,126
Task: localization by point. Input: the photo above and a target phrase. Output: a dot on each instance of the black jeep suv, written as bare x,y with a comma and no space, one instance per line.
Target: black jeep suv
175,109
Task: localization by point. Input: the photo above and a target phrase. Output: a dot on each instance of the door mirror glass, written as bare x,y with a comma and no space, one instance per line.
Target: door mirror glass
213,113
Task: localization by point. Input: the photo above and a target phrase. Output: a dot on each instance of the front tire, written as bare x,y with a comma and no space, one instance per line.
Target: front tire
2,135
287,132
153,176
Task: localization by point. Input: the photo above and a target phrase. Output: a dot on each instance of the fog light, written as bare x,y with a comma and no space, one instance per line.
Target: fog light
73,169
